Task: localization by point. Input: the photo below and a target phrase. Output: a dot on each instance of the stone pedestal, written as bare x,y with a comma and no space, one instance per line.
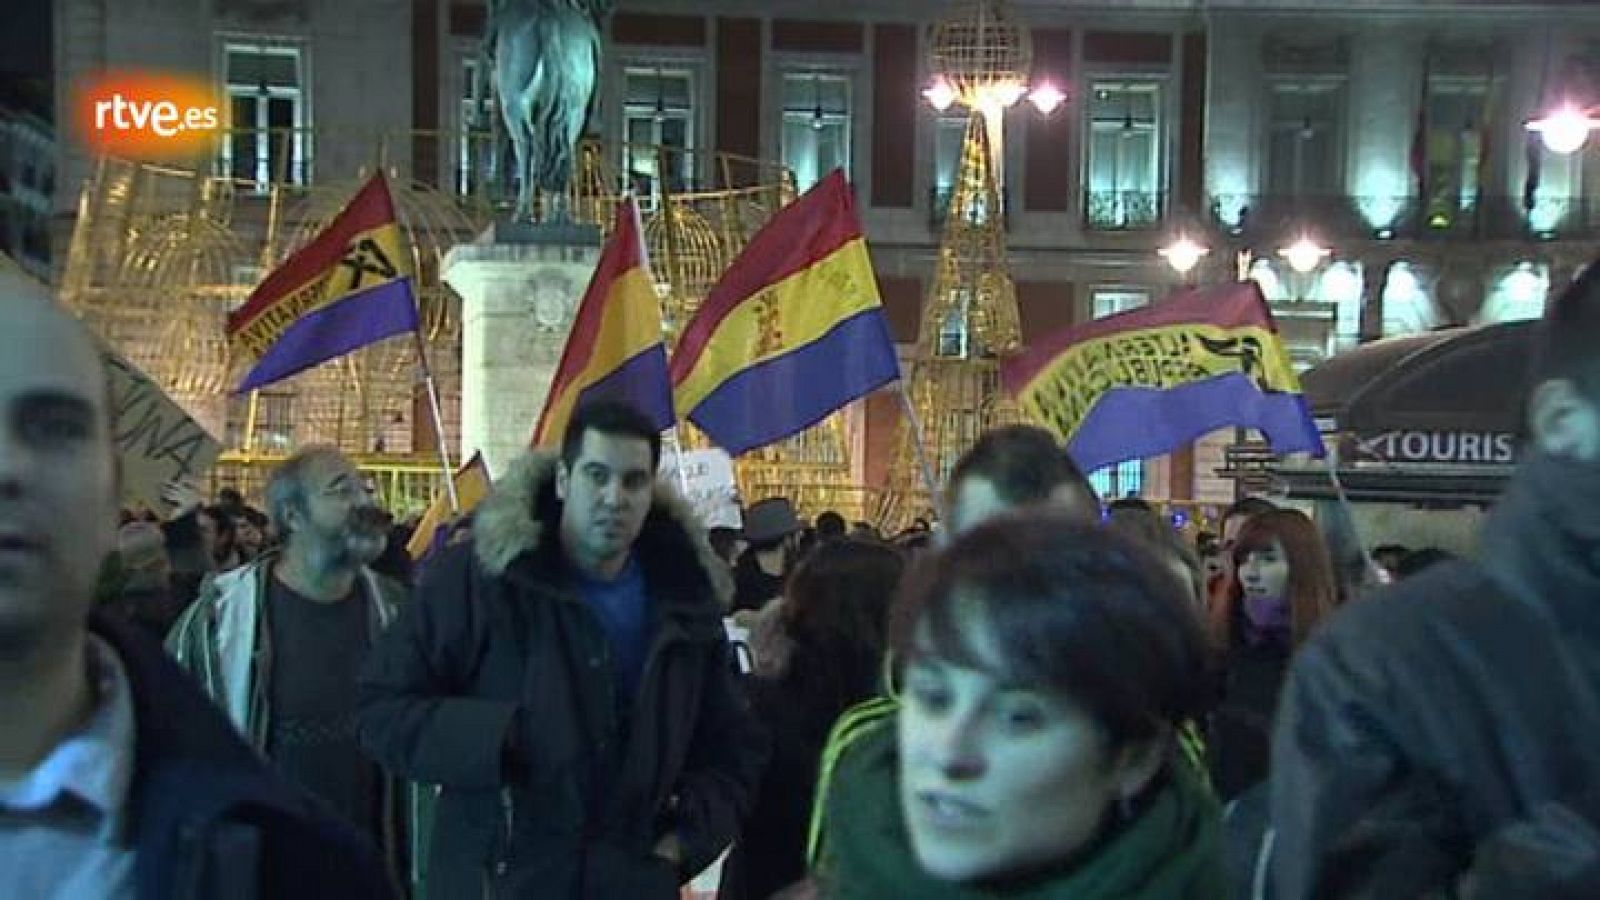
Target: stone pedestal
519,285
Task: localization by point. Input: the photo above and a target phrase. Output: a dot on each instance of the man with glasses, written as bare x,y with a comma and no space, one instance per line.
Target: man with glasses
278,643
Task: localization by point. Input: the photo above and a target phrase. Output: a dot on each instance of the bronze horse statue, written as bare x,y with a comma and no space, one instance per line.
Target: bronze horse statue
546,60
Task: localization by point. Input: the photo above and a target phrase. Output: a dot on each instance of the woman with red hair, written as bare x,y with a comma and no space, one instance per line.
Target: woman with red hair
1285,586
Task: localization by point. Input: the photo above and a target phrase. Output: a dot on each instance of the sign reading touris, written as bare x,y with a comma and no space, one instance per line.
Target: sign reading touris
1464,448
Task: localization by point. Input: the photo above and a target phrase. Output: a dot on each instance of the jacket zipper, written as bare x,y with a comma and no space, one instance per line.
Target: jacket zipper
508,820
189,864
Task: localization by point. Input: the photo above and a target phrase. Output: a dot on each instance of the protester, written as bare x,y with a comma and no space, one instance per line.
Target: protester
1415,561
1047,671
830,526
1143,523
278,643
1286,588
1439,739
727,543
117,778
144,591
249,534
772,531
217,527
831,623
1013,466
1389,558
1221,588
565,678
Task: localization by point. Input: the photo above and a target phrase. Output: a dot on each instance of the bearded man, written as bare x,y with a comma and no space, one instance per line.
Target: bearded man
278,643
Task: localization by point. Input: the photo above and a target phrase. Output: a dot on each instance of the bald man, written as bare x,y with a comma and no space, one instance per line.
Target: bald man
118,779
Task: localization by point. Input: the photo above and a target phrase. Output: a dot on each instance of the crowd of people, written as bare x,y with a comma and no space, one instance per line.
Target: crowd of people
1036,696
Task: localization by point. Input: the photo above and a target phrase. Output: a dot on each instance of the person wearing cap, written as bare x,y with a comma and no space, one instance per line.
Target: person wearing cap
772,530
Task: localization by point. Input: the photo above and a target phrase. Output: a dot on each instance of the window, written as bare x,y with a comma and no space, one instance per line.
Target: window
1457,109
955,337
269,139
475,148
658,129
1125,155
949,138
1304,138
1124,479
1110,301
816,125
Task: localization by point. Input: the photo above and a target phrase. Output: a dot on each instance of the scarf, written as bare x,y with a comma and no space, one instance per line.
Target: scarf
1171,851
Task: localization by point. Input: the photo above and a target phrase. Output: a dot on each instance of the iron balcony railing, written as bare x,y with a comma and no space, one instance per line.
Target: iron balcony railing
1123,210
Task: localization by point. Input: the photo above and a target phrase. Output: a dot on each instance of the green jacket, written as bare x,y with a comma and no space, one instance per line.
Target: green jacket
1172,851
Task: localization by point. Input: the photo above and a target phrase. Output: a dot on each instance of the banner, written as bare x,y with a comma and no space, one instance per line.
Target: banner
156,440
708,483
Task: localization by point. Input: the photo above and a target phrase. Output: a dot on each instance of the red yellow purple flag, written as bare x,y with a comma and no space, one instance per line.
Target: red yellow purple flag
1149,381
349,287
793,331
615,349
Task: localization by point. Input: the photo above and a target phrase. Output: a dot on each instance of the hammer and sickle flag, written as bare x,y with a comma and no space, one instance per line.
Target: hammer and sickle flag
1149,381
347,288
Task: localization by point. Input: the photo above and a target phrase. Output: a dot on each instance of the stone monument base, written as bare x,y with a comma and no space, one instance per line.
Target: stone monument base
520,284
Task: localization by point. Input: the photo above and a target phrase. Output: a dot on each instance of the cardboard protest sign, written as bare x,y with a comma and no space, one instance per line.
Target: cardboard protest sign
706,481
155,439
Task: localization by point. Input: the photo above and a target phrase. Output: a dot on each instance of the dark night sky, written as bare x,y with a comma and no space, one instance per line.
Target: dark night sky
25,49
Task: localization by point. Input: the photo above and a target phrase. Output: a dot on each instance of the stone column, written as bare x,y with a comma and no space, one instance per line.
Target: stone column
519,292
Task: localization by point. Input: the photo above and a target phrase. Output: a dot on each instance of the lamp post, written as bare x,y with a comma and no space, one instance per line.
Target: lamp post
1183,255
1304,256
980,57
1566,129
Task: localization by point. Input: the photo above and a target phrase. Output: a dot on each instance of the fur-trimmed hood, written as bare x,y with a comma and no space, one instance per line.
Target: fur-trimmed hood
521,515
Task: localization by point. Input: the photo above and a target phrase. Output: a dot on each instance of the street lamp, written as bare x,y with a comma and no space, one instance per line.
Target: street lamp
1565,130
940,95
1304,255
1183,255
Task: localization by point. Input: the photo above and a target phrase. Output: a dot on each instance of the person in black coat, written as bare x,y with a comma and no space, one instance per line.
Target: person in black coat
565,678
831,627
117,777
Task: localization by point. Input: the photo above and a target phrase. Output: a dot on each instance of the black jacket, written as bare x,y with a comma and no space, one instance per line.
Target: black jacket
1442,737
206,817
499,638
797,709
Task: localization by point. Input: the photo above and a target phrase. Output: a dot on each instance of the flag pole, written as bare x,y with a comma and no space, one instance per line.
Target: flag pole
1374,571
922,451
438,422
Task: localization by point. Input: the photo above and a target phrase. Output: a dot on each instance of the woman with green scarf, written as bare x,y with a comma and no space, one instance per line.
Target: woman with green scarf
1047,669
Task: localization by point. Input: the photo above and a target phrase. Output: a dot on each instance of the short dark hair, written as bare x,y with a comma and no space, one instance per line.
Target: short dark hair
723,540
1025,465
835,612
613,418
1135,503
830,525
1564,341
1076,609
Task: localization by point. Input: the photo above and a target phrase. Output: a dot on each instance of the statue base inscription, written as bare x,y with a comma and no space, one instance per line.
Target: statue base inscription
520,284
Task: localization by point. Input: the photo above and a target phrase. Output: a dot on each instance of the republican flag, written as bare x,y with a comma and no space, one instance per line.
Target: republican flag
472,485
614,351
1152,380
347,288
793,331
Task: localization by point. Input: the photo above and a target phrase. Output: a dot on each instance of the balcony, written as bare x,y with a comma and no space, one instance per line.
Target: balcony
1123,210
1335,217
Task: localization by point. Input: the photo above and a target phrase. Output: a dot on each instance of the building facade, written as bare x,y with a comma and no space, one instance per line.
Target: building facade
1388,134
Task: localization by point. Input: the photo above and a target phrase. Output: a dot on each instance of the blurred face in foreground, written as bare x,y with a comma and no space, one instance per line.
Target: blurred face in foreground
999,778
